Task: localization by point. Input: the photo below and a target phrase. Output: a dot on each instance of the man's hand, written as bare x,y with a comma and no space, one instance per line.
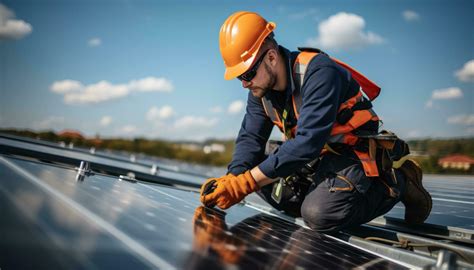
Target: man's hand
227,190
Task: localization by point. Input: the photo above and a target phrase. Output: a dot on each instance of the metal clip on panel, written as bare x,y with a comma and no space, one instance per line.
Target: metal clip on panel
130,177
83,171
154,169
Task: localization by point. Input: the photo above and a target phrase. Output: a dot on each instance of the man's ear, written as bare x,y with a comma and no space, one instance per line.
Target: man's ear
273,57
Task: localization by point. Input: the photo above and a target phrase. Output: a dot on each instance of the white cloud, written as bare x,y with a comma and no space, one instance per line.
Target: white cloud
463,119
447,93
96,93
466,74
52,122
66,86
216,109
235,107
155,114
105,121
11,28
410,15
151,84
94,42
443,94
193,122
76,93
344,31
128,129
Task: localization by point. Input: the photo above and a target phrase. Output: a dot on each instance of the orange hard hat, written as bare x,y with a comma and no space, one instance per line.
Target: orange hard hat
240,39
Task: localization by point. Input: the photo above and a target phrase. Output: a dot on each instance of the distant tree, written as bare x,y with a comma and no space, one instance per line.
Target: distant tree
432,148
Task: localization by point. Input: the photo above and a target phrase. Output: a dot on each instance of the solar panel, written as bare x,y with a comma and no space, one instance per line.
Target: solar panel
157,221
54,221
55,153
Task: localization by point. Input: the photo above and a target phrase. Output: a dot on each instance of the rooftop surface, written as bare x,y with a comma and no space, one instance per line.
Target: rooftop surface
52,218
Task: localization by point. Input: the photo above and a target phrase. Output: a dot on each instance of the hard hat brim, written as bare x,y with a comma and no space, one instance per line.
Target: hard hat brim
239,69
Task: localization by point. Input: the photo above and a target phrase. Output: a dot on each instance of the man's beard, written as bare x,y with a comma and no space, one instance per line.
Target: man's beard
262,91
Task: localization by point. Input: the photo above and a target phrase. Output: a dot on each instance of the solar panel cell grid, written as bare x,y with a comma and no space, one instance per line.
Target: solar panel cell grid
104,222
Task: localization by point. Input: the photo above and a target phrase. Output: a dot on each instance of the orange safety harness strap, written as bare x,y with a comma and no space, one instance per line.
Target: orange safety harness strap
371,89
357,111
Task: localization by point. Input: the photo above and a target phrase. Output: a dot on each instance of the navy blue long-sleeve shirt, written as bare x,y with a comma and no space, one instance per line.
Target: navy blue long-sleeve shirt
325,84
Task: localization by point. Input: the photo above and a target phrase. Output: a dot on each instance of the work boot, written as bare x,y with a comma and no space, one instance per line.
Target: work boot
417,200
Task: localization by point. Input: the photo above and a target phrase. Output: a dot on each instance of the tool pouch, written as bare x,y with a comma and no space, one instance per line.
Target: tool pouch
390,148
385,146
293,188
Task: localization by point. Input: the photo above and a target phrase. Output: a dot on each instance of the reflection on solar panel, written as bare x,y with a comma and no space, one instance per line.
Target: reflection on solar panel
51,220
104,222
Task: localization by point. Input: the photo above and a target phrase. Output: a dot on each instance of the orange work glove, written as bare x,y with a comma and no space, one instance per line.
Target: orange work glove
227,190
209,186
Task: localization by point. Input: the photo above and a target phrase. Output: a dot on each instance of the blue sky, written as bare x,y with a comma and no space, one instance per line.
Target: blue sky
153,68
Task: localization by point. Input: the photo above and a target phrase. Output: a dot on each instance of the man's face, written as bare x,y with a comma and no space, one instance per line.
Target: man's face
264,80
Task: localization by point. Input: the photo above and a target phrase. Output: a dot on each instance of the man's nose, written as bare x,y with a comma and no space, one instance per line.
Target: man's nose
246,84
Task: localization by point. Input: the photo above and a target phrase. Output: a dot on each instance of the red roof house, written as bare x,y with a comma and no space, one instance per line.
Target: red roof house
456,161
71,134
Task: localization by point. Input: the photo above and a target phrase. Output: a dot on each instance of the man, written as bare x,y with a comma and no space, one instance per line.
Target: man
334,168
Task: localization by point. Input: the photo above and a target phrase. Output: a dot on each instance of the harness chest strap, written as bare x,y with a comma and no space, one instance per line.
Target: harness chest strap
280,122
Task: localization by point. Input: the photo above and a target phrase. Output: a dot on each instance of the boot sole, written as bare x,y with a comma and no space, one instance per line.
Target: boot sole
419,185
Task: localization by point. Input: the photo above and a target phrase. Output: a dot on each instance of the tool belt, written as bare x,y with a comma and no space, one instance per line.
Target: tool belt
294,187
385,147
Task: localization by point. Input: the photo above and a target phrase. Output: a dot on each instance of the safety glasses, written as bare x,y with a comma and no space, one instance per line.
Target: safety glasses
250,74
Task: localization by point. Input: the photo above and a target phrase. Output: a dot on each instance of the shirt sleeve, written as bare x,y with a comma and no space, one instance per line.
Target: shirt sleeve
253,135
320,99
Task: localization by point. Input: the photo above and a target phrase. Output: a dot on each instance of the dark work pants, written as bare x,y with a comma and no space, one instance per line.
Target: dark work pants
341,196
